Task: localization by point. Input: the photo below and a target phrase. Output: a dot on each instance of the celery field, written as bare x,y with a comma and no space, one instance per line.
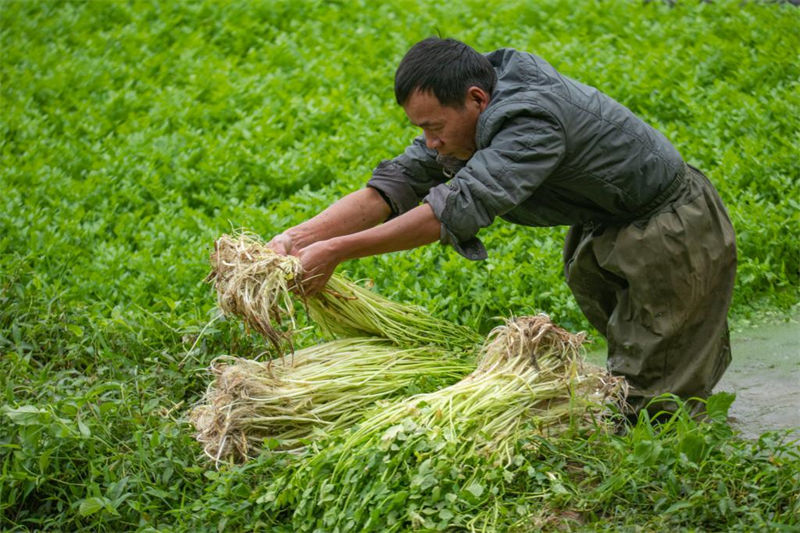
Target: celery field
134,133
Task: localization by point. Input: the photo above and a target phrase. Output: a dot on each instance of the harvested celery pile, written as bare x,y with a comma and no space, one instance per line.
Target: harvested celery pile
530,370
530,384
315,390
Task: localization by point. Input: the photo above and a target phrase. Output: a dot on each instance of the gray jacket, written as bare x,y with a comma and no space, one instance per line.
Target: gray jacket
550,151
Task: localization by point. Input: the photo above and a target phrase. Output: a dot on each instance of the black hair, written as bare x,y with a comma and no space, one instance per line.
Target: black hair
445,66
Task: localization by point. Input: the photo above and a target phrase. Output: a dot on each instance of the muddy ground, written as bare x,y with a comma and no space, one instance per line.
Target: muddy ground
764,375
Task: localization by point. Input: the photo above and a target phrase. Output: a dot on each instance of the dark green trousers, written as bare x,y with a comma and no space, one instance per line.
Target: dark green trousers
659,290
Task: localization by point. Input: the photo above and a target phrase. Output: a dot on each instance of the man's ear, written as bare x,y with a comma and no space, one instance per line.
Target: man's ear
479,96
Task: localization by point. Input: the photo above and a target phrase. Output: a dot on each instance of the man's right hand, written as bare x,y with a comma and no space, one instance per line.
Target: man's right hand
281,244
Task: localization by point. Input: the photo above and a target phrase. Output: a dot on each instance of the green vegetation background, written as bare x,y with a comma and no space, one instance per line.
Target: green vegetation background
132,134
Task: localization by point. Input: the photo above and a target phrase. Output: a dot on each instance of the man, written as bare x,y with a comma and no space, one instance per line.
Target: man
650,255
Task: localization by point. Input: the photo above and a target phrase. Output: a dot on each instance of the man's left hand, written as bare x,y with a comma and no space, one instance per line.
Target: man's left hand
319,260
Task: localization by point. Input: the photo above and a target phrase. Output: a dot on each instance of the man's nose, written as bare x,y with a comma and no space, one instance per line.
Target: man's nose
432,142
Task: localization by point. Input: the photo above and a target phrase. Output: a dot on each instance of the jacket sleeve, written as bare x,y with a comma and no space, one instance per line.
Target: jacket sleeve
406,179
526,149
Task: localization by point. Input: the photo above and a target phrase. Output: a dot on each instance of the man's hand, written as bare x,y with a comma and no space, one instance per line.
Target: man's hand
319,260
282,244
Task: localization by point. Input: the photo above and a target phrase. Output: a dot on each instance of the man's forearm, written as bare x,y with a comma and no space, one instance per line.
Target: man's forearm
410,230
355,212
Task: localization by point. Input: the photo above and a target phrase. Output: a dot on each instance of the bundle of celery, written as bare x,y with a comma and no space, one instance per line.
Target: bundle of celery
286,402
530,373
530,383
254,282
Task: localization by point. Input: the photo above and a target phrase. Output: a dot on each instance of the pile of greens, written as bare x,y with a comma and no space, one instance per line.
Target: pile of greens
528,369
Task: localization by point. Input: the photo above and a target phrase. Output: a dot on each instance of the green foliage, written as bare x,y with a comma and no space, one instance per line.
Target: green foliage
133,134
679,474
676,475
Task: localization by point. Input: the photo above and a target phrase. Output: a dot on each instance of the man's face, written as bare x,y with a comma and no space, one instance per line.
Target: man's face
448,130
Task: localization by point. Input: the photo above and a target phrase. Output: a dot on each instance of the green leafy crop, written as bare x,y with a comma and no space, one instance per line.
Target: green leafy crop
132,134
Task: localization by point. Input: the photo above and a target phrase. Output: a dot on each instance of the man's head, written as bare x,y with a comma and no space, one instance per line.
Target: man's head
444,85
